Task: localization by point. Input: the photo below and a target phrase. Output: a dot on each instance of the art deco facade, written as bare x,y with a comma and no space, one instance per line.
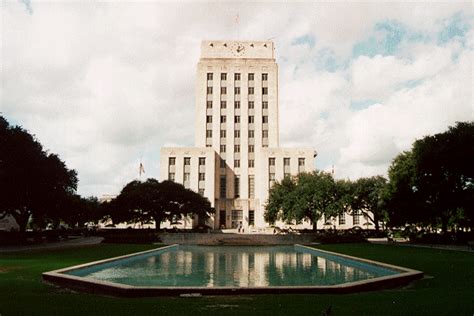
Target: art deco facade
237,155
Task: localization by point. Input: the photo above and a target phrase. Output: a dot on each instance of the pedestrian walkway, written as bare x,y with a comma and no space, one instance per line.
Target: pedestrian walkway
78,242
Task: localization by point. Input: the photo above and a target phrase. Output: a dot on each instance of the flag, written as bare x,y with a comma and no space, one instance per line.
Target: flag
141,169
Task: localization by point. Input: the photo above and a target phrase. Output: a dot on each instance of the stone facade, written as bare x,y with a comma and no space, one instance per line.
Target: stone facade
236,132
237,155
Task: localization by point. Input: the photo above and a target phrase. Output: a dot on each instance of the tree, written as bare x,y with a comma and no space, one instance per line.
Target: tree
433,184
367,198
310,196
280,202
33,183
151,200
445,172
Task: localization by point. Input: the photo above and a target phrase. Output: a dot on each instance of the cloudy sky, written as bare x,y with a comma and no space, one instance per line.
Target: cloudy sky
105,85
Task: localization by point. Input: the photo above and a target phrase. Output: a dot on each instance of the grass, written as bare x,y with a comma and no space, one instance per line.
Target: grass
448,289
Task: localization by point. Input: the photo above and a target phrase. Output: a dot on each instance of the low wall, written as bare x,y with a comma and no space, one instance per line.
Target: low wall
234,239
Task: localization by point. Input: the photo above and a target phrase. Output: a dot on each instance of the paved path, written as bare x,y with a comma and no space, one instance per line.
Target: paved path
79,242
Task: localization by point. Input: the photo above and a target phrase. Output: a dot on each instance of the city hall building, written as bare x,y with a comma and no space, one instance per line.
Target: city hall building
237,155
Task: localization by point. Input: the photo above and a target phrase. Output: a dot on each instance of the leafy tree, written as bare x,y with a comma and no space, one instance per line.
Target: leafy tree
33,183
310,196
156,201
433,184
281,200
445,172
367,198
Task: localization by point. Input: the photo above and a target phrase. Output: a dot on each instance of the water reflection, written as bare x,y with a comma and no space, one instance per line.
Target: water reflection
234,266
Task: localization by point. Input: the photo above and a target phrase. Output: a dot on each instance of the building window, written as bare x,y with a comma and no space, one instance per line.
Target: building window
237,216
265,134
356,218
208,145
222,148
237,148
237,186
201,191
209,104
251,133
186,178
223,90
223,118
265,105
209,90
271,161
251,187
286,161
222,163
251,217
264,77
300,162
202,176
251,104
265,119
223,187
172,161
251,163
223,76
237,104
251,148
342,219
223,104
237,163
209,133
237,76
264,90
251,90
251,119
223,133
237,133
237,90
237,119
202,161
187,161
171,176
271,179
209,119
209,76
251,76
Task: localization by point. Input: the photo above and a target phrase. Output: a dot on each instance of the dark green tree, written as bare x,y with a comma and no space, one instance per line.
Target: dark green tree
309,196
445,173
367,198
156,201
34,184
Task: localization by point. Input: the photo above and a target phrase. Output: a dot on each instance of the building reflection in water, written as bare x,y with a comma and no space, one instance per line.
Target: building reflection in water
233,266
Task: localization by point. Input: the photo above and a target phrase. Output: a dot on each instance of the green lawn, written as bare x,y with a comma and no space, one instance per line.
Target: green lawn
448,289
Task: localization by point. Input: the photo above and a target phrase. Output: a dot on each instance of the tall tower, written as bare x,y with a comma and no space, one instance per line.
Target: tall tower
237,124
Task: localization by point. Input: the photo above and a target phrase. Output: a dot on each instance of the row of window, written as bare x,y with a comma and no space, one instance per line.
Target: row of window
251,90
286,161
251,163
223,187
223,133
237,76
187,161
251,104
237,119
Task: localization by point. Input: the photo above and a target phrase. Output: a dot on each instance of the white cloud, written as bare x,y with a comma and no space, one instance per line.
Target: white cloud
105,85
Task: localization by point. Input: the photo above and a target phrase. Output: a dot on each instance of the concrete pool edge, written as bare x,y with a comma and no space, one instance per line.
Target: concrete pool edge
93,286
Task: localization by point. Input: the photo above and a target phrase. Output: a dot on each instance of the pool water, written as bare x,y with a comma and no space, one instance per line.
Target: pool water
233,266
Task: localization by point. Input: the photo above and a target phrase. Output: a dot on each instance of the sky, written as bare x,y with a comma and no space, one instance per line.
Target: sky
106,84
